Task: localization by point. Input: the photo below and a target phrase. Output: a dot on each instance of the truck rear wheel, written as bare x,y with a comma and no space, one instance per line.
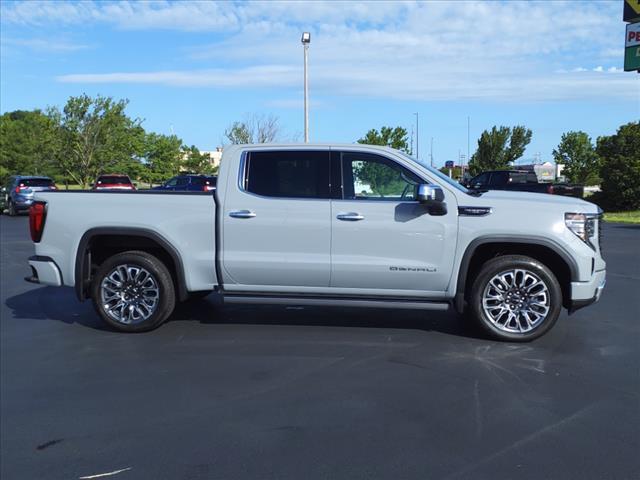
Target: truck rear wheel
516,298
133,292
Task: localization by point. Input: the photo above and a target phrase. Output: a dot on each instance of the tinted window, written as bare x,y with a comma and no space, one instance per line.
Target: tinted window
480,180
499,178
371,177
36,182
200,181
524,177
182,181
111,179
171,182
290,174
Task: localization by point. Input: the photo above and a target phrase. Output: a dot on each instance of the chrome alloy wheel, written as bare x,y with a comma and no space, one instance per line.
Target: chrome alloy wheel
129,294
516,301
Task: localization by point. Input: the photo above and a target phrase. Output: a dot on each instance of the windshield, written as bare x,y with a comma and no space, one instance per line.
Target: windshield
439,174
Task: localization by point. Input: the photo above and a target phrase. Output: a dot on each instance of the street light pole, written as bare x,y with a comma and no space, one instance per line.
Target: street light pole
306,40
417,137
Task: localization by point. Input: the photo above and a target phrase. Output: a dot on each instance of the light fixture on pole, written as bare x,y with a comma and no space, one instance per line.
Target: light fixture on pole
306,40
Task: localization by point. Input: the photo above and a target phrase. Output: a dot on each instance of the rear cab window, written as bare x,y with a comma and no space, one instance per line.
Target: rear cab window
288,174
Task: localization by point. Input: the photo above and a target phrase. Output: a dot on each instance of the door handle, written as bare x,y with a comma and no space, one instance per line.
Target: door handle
242,214
350,217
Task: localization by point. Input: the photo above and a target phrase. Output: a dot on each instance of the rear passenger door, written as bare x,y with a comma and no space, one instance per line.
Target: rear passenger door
276,221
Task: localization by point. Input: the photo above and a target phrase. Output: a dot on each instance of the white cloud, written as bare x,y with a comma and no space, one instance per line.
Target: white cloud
511,51
45,45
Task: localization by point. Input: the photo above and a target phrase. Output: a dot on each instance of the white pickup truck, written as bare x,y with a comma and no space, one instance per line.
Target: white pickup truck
340,225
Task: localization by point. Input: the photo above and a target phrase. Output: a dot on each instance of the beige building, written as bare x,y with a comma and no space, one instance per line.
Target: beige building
214,156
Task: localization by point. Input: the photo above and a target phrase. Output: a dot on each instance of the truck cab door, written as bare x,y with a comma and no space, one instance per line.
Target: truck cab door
276,221
384,242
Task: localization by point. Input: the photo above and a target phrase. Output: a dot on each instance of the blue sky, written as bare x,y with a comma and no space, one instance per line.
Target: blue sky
195,67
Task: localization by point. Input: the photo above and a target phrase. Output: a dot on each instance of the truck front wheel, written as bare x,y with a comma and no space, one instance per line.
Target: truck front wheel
516,298
133,292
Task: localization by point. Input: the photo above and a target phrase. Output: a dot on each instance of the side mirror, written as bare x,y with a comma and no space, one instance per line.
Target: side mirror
432,197
430,193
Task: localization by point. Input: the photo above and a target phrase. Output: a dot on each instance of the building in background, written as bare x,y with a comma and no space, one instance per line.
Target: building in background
546,171
214,156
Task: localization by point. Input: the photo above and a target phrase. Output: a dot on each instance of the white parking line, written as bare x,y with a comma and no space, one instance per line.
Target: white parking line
108,474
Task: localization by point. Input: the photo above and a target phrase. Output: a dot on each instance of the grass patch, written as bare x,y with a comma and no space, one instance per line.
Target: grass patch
632,216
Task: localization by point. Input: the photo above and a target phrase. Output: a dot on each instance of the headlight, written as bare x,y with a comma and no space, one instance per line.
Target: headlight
583,225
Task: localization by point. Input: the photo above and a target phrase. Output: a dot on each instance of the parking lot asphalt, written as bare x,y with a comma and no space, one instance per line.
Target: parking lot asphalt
260,393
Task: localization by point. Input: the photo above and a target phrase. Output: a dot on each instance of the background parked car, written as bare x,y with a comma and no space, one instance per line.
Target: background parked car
113,182
521,181
17,193
190,182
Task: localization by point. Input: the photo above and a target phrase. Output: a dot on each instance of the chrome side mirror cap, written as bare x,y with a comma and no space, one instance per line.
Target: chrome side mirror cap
430,193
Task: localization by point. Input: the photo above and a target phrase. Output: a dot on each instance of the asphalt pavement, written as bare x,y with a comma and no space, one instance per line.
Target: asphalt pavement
277,393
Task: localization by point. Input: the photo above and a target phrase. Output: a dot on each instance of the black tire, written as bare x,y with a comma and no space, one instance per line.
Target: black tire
552,297
166,296
12,209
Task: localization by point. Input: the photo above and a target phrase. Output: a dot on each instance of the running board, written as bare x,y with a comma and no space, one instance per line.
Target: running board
335,302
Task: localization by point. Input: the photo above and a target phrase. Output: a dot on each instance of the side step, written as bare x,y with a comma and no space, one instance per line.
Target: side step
336,302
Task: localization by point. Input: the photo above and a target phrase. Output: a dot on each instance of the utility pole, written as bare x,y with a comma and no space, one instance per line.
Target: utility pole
417,137
306,40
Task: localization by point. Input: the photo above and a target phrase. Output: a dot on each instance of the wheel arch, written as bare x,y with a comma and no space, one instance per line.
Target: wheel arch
108,241
549,252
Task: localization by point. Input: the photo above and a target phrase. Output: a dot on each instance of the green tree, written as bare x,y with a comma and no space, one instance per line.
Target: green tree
97,137
196,162
28,144
578,155
254,129
620,167
498,148
389,137
238,133
163,154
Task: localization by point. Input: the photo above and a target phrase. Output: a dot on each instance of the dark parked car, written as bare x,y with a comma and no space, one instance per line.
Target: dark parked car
113,182
522,181
17,193
190,182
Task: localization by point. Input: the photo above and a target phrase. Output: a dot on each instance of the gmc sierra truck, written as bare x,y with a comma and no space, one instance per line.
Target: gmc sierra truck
338,225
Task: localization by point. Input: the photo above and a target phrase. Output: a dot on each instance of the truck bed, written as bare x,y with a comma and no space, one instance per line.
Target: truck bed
186,220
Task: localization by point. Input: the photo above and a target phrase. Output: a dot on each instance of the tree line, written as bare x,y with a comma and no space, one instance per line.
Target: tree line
90,136
613,162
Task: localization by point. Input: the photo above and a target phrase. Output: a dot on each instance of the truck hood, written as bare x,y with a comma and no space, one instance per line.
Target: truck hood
498,197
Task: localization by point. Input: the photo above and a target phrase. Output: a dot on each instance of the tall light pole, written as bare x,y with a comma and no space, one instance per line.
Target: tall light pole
417,138
306,40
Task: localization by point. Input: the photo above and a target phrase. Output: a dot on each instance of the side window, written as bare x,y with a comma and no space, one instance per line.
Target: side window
371,177
182,181
172,182
499,178
288,174
480,180
197,181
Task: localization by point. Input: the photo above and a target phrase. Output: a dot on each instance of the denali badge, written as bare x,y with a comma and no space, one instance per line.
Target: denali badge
413,269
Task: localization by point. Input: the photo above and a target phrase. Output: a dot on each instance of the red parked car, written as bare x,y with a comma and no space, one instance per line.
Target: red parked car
113,182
